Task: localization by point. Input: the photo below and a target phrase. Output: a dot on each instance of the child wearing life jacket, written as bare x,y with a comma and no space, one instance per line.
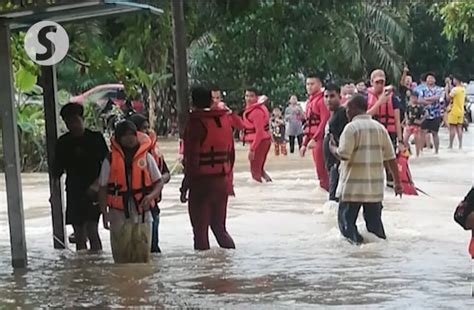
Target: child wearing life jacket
130,184
277,127
256,119
143,126
415,115
209,157
464,216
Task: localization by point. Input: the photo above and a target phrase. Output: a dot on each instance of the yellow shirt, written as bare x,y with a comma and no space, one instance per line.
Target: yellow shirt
459,96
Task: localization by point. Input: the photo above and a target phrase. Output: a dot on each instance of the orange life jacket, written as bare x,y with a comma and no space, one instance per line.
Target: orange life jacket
119,190
405,175
312,117
154,152
385,114
250,132
216,151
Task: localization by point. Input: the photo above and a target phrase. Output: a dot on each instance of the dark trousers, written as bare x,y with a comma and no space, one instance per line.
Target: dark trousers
347,217
208,207
292,142
333,181
155,248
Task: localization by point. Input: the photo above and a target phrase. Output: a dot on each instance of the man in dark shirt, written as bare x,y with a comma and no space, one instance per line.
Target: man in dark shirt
335,126
80,153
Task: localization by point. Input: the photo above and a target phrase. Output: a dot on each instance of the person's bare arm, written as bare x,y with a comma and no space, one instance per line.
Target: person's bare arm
102,195
404,75
382,100
398,125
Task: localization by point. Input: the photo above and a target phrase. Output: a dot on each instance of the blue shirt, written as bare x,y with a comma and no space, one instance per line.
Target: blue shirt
433,109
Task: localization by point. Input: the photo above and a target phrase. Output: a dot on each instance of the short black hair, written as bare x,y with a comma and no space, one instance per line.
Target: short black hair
333,87
427,74
201,97
122,128
361,81
253,90
215,87
359,102
138,119
72,109
457,77
314,76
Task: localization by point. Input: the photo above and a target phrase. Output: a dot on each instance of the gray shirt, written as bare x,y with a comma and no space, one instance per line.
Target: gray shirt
294,116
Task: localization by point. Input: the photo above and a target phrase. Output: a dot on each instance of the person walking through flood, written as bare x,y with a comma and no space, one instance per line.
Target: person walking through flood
209,157
277,127
430,95
316,115
335,126
130,182
384,107
80,154
456,112
294,116
143,126
464,216
256,119
364,149
415,115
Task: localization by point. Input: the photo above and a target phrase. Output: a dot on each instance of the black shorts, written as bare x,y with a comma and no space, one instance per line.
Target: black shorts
431,125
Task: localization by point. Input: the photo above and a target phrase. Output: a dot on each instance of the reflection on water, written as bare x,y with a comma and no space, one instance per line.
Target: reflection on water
289,253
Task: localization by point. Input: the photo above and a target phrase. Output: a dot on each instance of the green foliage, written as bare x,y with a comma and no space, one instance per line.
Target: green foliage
31,131
458,17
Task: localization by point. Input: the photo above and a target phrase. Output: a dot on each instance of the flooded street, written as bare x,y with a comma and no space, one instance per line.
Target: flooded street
289,251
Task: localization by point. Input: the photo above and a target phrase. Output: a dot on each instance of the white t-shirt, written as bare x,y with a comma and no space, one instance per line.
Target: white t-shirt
117,217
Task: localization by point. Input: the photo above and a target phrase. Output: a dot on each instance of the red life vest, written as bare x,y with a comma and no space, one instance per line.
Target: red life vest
119,190
250,132
216,152
405,175
312,116
471,248
385,114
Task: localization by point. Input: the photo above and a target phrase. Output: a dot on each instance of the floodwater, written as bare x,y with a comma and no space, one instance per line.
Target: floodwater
289,252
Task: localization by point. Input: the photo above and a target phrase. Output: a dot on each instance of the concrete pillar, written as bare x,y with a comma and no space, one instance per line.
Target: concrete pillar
11,153
49,84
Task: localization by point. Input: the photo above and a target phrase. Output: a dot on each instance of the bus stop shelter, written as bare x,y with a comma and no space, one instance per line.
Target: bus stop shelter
21,16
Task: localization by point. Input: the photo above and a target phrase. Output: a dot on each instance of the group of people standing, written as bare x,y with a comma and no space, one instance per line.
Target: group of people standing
353,135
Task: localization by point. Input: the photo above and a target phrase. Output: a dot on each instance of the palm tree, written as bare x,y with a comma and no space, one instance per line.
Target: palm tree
372,35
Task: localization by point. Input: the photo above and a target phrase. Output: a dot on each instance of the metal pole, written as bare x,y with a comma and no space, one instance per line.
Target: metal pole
180,63
11,153
49,84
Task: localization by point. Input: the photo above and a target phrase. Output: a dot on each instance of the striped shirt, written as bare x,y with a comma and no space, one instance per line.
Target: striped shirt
363,148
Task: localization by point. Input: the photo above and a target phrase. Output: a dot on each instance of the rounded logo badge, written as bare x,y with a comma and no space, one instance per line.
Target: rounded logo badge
141,163
46,43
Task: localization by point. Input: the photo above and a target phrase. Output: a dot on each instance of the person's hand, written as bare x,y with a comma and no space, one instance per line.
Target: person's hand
384,97
398,188
401,147
251,155
406,69
184,195
146,202
106,220
310,144
332,141
302,151
180,158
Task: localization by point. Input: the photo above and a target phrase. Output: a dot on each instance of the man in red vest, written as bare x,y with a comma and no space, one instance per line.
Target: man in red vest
209,157
385,108
317,116
257,132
